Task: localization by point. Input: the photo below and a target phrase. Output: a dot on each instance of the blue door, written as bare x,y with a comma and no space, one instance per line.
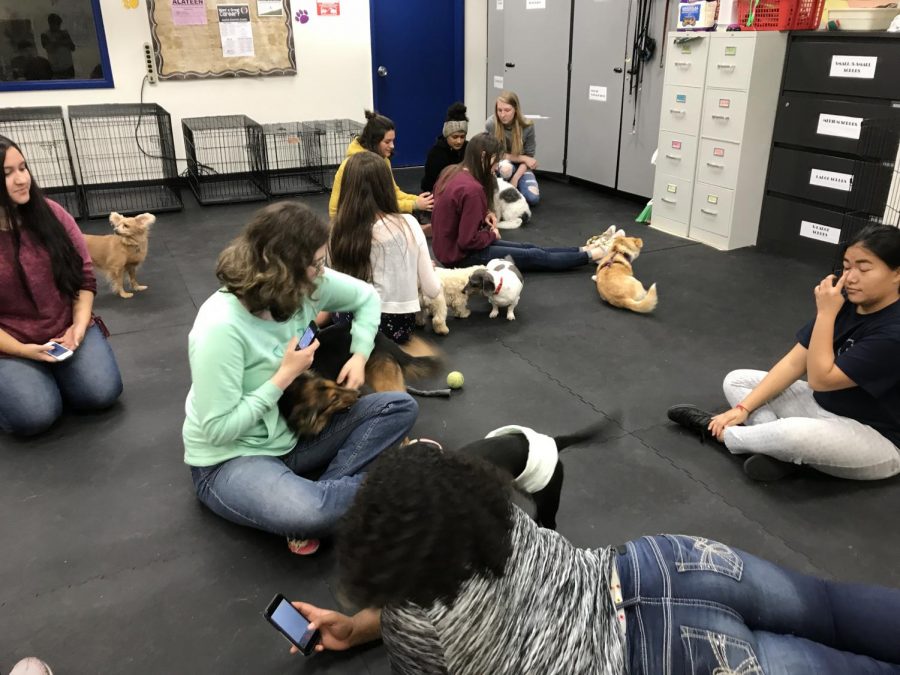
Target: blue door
417,69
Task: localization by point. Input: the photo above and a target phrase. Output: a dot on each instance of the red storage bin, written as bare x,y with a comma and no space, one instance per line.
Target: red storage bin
781,14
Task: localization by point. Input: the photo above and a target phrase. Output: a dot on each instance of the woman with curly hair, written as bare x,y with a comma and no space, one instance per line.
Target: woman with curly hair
371,240
47,288
247,465
457,580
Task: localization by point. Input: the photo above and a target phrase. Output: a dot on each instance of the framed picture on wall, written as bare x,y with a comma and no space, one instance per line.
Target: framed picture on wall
52,44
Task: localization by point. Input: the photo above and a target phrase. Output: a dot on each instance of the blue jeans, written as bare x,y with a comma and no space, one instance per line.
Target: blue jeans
528,186
33,393
280,494
529,257
697,606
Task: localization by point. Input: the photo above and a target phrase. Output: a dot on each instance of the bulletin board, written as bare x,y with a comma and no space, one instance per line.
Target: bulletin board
253,39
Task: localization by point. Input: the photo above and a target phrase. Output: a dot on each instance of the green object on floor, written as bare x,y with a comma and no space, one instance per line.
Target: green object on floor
644,216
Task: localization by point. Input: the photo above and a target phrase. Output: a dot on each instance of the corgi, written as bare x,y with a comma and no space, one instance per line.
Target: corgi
615,278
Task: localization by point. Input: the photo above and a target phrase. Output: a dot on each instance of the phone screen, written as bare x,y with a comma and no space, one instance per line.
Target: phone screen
293,624
58,350
308,336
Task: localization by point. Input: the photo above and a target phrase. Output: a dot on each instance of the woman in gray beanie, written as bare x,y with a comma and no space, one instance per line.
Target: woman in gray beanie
449,147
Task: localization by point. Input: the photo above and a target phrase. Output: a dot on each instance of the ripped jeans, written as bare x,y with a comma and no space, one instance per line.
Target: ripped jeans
697,606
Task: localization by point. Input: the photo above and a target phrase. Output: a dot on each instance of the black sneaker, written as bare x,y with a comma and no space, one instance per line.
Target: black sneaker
691,418
767,469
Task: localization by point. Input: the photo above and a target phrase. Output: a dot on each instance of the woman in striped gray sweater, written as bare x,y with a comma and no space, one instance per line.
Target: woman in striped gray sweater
461,581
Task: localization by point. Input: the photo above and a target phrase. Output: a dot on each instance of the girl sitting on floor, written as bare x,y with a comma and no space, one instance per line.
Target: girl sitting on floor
845,419
450,146
47,289
464,229
516,135
372,241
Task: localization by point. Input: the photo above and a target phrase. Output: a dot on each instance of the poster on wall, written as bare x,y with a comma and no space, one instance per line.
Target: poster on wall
189,12
235,30
269,9
328,8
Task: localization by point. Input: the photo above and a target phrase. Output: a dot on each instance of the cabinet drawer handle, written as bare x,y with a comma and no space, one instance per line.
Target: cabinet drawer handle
675,157
729,66
676,111
709,213
715,166
683,64
669,201
724,118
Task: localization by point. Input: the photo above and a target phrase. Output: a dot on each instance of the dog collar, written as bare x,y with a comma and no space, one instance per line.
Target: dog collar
499,286
612,261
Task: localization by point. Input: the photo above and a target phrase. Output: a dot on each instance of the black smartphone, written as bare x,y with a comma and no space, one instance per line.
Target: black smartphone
312,330
292,624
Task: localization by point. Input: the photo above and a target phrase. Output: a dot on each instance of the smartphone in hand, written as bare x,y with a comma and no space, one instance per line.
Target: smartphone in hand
292,624
58,352
309,335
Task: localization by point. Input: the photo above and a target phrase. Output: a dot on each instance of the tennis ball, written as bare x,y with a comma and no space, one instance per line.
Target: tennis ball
455,380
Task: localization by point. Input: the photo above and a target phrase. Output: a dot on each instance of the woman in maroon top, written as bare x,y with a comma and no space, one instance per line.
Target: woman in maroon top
464,229
47,289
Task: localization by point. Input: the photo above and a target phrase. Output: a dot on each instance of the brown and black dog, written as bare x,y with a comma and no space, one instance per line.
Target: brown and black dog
314,397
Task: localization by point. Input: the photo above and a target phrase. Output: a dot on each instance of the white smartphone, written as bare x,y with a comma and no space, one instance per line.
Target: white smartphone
58,352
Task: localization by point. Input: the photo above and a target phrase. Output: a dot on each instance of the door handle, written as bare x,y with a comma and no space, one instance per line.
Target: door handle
709,212
669,201
723,118
673,157
715,166
382,71
617,70
509,64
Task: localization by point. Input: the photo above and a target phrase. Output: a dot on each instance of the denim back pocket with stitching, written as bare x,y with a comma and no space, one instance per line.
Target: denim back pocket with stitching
710,653
699,554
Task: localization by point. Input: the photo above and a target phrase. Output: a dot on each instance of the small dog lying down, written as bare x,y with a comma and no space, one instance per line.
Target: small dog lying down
313,397
501,283
455,297
121,253
511,208
615,280
532,459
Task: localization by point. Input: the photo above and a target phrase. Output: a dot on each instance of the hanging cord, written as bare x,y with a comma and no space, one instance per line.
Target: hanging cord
643,50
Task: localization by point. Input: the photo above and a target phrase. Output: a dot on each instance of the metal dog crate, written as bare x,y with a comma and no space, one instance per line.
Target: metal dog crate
335,136
293,159
226,158
42,136
126,158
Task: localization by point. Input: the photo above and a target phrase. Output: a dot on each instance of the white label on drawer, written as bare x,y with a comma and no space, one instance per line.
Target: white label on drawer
830,235
671,187
839,125
498,82
499,5
676,145
831,179
596,93
861,67
535,4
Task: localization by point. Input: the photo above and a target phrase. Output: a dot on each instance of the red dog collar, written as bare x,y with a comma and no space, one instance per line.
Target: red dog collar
499,286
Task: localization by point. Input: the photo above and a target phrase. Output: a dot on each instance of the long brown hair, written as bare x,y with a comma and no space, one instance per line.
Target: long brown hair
481,153
367,194
516,145
266,264
377,127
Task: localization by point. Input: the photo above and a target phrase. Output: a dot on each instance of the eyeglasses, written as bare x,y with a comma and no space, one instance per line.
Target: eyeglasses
319,264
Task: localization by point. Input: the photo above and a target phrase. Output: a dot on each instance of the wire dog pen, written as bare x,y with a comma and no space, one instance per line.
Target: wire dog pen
226,158
334,137
293,159
875,183
126,158
42,136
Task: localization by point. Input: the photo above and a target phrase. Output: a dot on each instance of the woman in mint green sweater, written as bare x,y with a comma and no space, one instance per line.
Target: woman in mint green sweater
246,464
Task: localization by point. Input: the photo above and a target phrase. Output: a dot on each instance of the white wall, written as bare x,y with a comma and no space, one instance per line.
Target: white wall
333,81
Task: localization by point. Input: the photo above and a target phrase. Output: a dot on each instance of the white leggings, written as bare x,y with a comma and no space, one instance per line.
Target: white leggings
794,428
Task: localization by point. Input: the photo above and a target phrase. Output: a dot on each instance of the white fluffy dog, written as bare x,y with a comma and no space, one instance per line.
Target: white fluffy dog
454,297
512,209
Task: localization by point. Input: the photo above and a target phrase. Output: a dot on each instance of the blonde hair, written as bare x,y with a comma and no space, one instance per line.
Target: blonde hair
516,145
266,264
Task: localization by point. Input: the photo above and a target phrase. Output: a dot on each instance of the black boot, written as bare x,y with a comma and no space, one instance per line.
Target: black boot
692,418
767,469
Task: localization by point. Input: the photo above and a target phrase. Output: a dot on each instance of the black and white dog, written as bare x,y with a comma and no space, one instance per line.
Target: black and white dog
532,459
512,209
501,283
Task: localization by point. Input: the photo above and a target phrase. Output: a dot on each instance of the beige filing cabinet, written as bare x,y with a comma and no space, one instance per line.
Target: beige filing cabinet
719,102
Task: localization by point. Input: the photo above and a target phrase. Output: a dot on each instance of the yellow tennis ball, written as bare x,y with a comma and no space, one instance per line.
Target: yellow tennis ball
455,380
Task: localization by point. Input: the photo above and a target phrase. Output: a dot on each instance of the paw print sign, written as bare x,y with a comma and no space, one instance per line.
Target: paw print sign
302,16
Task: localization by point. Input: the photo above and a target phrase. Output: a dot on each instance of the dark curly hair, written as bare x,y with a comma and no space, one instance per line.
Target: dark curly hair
423,523
377,127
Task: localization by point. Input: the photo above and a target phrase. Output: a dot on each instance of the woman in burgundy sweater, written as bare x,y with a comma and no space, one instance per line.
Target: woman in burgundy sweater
464,229
47,289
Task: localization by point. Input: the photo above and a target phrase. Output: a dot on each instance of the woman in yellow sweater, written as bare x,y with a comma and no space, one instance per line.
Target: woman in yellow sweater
378,136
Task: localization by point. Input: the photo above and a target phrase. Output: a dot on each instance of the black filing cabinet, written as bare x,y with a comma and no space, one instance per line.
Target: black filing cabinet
826,176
